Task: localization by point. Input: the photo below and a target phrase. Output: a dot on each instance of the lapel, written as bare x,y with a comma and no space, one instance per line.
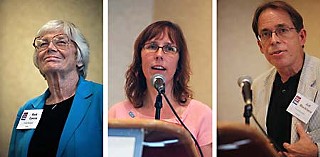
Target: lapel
263,96
38,104
307,88
80,105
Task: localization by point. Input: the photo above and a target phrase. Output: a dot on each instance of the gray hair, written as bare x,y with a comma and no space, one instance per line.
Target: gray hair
74,34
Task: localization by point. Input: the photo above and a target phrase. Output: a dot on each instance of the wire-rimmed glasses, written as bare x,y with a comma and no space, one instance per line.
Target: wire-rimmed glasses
281,32
60,41
167,49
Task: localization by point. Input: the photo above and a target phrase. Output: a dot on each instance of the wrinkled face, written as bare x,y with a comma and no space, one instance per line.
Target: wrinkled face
157,60
284,47
56,53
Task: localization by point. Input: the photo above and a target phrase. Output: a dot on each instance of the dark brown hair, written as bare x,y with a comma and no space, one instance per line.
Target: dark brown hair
293,13
136,85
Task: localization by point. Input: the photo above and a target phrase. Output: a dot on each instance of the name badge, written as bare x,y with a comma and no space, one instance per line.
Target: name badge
29,119
302,108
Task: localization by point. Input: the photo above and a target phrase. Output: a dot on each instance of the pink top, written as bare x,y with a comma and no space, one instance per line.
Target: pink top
197,117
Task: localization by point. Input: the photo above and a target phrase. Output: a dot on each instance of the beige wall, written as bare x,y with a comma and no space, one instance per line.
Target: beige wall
126,20
194,17
20,20
195,20
310,11
238,52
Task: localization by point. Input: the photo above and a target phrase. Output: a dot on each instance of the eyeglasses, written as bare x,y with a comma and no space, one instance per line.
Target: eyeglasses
60,41
281,32
167,49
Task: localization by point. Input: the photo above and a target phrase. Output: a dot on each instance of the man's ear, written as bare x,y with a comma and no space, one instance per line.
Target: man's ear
302,36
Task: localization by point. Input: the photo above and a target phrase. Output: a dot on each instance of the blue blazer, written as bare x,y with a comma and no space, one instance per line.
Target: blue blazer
82,133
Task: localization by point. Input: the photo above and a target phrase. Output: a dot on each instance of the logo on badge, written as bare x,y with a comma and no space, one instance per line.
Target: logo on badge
24,115
296,100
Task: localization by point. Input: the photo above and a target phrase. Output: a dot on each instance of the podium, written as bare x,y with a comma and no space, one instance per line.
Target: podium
237,139
154,137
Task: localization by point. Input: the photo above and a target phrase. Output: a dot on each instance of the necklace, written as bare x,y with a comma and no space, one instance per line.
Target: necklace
56,104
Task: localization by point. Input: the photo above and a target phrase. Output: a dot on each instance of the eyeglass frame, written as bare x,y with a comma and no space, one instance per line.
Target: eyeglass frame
276,31
39,37
162,47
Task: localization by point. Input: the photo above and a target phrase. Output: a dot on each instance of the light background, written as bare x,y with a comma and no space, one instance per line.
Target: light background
128,18
238,53
20,79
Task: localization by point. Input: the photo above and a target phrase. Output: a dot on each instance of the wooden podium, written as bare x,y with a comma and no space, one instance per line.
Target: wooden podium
236,139
160,138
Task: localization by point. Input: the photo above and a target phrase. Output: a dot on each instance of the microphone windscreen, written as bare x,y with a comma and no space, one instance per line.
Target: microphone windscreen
156,77
244,78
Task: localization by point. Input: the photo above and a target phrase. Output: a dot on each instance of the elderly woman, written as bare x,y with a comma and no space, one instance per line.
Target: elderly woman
161,49
70,110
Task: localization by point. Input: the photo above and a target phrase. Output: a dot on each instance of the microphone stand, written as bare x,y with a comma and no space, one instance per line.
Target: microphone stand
247,113
158,105
181,122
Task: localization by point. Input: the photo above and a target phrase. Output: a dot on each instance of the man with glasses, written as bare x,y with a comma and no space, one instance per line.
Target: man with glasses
286,98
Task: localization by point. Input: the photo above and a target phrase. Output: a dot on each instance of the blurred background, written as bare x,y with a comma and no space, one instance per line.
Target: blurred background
128,18
238,53
20,79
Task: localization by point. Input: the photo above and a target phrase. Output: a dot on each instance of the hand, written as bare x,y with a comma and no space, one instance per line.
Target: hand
304,147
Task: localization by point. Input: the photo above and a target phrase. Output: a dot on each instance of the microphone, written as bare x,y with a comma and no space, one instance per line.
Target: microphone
245,83
158,82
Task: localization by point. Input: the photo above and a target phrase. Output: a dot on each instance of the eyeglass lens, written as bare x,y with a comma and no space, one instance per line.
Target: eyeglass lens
60,41
152,47
280,32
